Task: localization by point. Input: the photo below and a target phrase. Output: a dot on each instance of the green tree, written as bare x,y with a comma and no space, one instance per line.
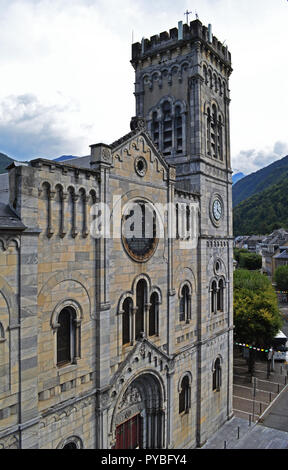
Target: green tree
250,261
281,278
256,314
237,253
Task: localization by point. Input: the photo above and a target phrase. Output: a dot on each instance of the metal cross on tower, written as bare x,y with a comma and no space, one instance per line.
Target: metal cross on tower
187,13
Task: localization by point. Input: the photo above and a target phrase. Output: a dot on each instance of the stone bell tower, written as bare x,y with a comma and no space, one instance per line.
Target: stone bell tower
182,91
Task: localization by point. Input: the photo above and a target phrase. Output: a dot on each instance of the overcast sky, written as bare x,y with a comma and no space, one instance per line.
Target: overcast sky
67,82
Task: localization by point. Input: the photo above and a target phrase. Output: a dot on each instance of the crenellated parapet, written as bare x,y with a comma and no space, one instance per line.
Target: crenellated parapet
175,39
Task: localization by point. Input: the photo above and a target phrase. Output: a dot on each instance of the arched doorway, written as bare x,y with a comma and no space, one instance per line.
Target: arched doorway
140,418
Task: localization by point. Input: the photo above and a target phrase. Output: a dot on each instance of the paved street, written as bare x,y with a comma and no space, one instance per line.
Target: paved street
277,416
252,398
260,407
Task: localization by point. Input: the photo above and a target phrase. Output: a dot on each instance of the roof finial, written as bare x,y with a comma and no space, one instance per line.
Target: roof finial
187,13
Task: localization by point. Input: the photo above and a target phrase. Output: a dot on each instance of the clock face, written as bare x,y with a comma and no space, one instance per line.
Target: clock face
217,209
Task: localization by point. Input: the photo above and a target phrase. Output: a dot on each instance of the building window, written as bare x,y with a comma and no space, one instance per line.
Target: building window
185,304
220,139
178,130
217,375
70,445
208,131
167,127
127,310
128,434
139,230
67,337
155,129
213,297
184,395
72,442
154,314
220,296
141,300
2,332
188,220
214,133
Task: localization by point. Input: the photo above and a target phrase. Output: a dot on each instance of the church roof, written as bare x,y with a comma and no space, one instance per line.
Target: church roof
283,255
8,219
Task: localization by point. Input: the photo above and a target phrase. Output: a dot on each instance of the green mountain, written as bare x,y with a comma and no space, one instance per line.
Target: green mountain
265,211
4,162
260,180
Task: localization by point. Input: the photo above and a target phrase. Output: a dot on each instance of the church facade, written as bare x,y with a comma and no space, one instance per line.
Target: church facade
116,315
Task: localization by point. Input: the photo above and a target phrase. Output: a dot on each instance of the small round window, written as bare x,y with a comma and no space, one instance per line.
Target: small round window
140,166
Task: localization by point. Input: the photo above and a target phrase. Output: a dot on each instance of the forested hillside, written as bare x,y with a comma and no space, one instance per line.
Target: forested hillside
260,180
264,212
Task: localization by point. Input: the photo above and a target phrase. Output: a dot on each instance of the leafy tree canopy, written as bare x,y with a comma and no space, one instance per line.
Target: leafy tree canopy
250,261
256,314
238,251
281,278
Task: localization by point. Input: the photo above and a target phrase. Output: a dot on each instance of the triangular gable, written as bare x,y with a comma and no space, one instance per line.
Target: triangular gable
140,142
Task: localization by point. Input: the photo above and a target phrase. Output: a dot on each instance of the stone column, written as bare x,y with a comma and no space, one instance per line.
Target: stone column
63,228
146,318
74,231
85,229
170,409
50,229
133,331
101,161
170,266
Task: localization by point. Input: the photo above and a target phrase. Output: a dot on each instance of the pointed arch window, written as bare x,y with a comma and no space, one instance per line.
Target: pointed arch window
184,395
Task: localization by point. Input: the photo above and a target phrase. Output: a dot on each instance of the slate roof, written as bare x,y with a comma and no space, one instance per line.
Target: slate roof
8,219
283,255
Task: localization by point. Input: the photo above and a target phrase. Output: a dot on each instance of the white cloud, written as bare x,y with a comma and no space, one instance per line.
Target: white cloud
78,51
29,128
250,160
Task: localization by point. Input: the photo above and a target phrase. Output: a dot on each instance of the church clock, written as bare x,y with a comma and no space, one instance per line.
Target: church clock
216,210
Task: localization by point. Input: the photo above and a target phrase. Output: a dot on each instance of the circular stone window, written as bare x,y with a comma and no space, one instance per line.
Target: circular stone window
140,166
139,230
